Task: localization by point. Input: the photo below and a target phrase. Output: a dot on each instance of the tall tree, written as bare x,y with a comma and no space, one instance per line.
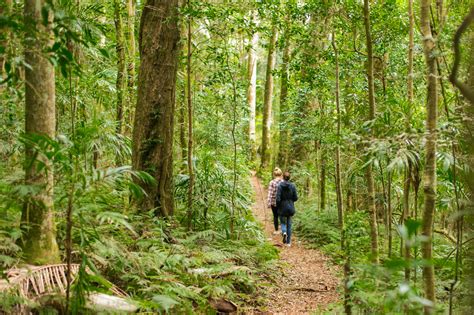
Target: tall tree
119,47
267,100
252,92
153,127
430,149
340,211
467,90
407,181
131,52
283,149
369,174
340,206
190,122
182,126
39,239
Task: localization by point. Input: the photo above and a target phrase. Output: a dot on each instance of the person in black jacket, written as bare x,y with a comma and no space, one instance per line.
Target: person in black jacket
286,196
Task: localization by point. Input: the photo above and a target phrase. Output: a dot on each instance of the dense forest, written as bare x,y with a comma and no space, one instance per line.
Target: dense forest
137,138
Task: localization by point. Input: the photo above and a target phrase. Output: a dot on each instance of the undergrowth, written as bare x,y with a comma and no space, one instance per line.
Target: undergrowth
164,267
379,288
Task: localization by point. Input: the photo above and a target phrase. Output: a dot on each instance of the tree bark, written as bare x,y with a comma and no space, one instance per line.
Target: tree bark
369,174
252,94
153,127
430,150
267,101
119,47
39,238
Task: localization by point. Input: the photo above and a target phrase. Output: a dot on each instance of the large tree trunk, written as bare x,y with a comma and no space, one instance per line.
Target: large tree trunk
267,100
369,174
119,47
39,238
153,128
430,150
252,94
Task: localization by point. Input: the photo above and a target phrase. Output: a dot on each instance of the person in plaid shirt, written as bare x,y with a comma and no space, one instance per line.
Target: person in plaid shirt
272,192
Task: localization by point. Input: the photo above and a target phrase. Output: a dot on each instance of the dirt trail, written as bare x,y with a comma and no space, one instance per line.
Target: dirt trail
306,282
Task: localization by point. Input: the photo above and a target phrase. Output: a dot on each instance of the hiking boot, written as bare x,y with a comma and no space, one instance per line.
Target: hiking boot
284,238
276,232
288,245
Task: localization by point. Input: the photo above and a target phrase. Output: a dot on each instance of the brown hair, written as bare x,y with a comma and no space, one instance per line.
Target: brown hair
277,172
287,175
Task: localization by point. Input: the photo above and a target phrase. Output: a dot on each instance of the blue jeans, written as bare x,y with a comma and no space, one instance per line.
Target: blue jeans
286,227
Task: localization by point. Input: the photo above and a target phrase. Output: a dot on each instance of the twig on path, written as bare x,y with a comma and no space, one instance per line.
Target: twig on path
308,289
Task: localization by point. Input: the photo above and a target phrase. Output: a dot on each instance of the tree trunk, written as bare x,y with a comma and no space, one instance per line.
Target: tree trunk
322,181
153,127
389,212
190,125
405,216
119,83
369,175
39,238
182,127
406,186
267,101
340,211
430,150
283,152
252,94
410,57
131,52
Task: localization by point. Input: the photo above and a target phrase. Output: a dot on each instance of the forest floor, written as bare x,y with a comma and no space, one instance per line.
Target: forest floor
306,281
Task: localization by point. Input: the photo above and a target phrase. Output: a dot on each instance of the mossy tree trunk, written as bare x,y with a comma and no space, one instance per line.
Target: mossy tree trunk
39,238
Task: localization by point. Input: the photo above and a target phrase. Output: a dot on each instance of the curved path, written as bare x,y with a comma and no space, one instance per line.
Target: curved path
306,282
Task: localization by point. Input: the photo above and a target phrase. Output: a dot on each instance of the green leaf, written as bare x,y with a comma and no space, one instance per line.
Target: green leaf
165,302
